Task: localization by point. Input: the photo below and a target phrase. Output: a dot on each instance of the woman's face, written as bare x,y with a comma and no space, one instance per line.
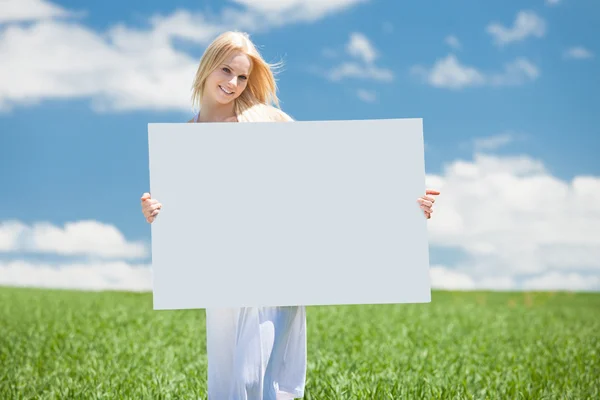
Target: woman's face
229,79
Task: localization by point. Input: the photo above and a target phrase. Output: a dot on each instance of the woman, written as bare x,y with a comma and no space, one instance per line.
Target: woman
253,353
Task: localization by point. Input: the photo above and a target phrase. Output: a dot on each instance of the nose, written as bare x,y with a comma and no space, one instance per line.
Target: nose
233,81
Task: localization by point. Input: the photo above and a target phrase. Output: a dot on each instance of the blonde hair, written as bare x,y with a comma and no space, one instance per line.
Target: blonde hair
259,101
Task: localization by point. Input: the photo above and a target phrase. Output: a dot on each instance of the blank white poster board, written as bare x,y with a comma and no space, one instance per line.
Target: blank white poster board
288,213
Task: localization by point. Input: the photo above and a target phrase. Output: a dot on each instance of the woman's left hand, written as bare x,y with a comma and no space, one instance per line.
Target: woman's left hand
427,201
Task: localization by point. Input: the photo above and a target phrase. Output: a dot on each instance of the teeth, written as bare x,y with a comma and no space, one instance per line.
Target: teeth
221,87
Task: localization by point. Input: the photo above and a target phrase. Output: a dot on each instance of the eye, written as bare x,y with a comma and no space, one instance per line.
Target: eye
226,70
244,77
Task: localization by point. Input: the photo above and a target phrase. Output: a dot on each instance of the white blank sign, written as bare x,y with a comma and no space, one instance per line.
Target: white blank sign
288,213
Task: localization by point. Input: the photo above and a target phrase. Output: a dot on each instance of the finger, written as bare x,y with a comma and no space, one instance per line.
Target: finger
432,191
426,198
151,206
152,213
148,204
424,202
147,208
145,196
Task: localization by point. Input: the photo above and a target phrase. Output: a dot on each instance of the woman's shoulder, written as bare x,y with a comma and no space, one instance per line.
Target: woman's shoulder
280,115
266,112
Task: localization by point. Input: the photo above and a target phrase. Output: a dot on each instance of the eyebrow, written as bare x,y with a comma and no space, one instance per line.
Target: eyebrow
228,66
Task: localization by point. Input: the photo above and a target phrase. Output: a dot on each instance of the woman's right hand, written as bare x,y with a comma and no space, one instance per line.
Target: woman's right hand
150,207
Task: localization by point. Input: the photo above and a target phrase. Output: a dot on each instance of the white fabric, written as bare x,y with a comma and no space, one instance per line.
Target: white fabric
256,353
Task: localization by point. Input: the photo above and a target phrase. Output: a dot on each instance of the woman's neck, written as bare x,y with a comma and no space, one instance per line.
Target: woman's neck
215,112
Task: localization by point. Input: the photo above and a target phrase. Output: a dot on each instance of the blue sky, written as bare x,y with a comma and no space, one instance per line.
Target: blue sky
507,90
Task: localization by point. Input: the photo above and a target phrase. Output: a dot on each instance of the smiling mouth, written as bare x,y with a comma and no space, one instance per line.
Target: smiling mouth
225,91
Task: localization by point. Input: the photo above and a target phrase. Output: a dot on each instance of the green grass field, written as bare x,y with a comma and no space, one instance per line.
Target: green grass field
463,345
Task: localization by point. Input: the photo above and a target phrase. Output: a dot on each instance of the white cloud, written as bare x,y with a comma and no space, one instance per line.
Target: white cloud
578,53
448,279
102,276
449,73
513,220
518,72
30,10
127,71
552,2
125,68
360,71
359,46
563,281
298,10
453,42
526,24
87,238
494,142
367,95
445,278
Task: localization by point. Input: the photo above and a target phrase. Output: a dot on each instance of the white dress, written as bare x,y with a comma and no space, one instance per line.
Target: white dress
256,353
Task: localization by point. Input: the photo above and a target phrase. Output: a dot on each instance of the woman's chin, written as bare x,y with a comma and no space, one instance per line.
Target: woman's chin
224,100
